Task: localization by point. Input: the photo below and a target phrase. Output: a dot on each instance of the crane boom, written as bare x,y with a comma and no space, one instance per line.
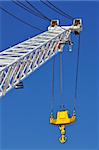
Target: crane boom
17,62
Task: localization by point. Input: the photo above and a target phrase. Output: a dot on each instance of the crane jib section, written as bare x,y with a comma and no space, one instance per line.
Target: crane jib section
17,62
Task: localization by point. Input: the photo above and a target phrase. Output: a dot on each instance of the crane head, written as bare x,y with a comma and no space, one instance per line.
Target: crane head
77,23
54,23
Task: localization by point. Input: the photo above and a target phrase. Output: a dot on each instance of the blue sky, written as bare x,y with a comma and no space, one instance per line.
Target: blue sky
24,114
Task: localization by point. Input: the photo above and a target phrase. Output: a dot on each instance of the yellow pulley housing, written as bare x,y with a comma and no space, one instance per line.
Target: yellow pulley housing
62,120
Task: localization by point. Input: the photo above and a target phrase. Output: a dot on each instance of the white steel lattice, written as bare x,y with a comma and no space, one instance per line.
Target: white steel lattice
19,61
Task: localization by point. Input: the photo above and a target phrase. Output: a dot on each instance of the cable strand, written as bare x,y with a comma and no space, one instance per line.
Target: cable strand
14,16
60,73
38,11
21,5
67,15
53,85
55,10
77,69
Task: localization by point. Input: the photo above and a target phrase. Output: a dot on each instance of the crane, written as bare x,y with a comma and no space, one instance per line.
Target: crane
19,61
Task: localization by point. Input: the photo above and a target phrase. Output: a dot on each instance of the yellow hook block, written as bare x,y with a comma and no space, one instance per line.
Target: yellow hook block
62,120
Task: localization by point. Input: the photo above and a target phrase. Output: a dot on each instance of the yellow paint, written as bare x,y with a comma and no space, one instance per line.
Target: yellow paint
62,139
62,120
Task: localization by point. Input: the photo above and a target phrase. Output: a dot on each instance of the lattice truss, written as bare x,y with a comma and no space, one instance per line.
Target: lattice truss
19,61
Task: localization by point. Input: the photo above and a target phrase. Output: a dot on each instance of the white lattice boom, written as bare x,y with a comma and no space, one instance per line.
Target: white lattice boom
19,61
